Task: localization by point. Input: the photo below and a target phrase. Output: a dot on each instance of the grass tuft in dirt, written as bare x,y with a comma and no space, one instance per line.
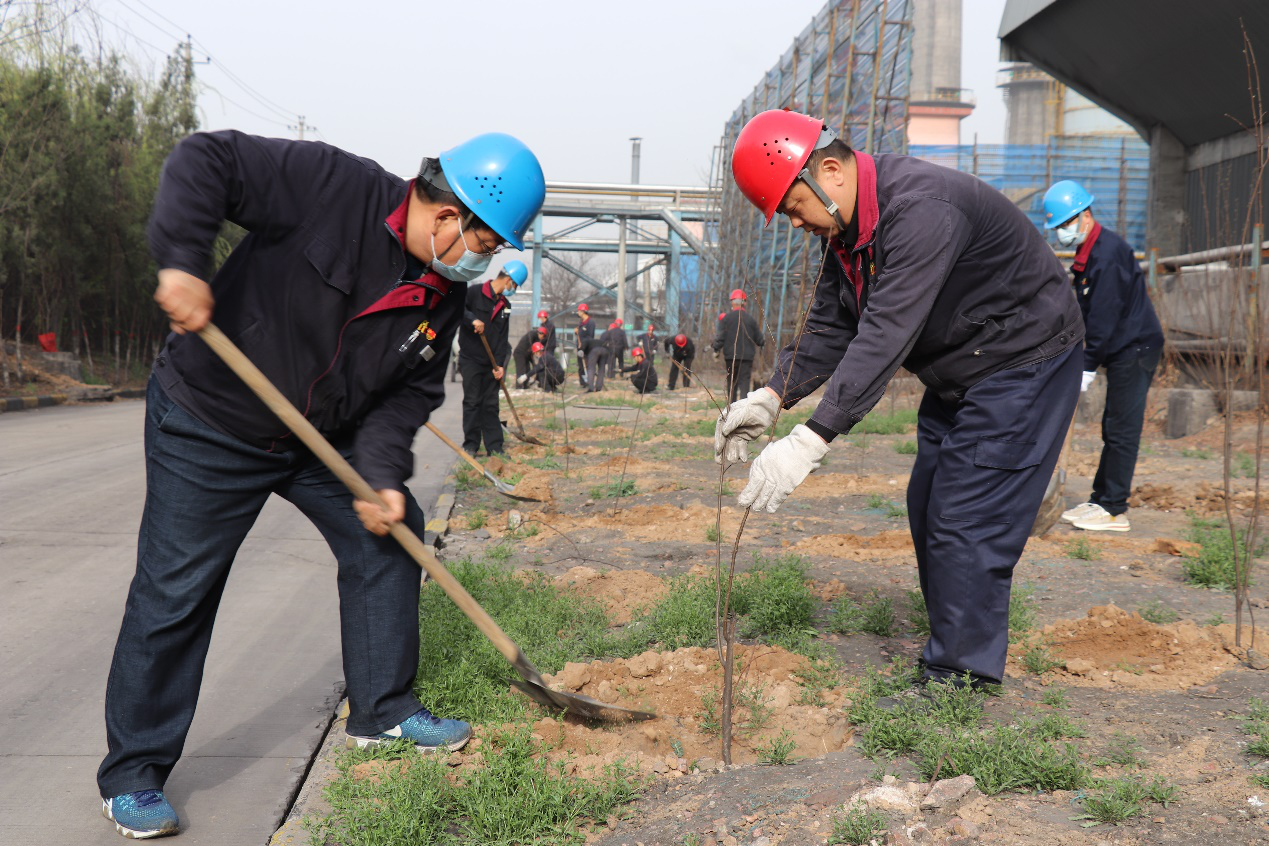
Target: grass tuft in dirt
906,447
898,423
1213,566
1038,660
918,614
874,615
1256,725
1155,611
1122,750
858,826
516,797
1081,549
613,489
778,752
1116,800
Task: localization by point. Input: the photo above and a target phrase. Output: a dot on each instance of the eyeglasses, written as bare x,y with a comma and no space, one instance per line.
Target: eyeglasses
491,252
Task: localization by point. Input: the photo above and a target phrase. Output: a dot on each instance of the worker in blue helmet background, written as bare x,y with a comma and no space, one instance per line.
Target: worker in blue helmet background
1121,334
347,292
486,313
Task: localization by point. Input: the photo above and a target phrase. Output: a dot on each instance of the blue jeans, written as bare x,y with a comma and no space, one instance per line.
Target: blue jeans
981,469
1128,380
204,491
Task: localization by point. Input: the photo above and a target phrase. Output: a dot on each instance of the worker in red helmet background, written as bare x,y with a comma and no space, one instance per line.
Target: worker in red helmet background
648,341
546,372
643,374
584,338
738,339
682,351
549,342
618,343
522,354
933,270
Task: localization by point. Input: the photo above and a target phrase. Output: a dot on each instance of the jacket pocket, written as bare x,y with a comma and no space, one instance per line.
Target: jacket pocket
330,265
1006,455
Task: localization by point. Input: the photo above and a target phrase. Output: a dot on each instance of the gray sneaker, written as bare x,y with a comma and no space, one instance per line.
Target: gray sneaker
1079,512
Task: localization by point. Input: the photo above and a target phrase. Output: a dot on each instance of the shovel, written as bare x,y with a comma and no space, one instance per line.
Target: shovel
499,485
530,682
522,434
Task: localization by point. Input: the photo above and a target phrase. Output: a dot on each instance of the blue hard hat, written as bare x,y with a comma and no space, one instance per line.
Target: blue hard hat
517,271
499,180
1063,201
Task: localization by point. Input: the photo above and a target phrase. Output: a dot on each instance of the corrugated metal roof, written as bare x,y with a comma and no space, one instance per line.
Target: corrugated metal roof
1175,63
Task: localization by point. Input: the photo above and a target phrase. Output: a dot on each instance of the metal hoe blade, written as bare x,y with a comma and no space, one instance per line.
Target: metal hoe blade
499,485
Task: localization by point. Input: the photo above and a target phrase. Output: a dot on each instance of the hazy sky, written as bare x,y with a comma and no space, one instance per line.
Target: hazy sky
394,80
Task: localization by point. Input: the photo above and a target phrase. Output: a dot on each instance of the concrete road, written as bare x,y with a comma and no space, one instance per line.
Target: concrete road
72,481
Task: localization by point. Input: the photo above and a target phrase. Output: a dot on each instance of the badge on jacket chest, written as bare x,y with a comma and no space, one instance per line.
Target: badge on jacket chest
425,353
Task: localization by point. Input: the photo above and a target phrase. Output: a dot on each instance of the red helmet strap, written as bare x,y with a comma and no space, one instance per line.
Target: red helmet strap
829,205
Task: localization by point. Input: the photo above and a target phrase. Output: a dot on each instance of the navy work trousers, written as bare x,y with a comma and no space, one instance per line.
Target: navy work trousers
480,408
981,469
1128,380
203,493
739,377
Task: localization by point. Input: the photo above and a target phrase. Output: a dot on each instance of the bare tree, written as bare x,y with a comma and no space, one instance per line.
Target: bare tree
562,290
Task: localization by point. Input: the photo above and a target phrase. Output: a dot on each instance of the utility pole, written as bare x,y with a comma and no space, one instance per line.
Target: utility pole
632,259
300,127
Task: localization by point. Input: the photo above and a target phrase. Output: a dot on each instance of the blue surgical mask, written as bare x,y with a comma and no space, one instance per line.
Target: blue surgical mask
469,266
1070,235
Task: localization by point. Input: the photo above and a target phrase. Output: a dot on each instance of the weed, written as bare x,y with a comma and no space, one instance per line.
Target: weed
466,479
1244,466
858,827
676,746
1155,611
1215,620
816,677
477,518
774,598
1256,724
691,840
777,752
685,617
711,533
906,447
875,616
544,463
895,511
1022,611
1257,710
524,530
1079,548
1038,660
918,614
1123,750
614,488
1055,697
1005,757
1158,790
877,502
1114,801
1213,566
1055,727
710,723
899,423
753,698
1196,453
500,552
1261,781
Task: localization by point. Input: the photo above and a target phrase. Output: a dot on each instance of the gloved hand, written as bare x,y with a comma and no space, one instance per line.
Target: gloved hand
1089,376
744,420
781,467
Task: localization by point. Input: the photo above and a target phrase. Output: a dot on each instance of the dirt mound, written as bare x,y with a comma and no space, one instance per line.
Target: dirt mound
883,545
1206,498
644,522
621,592
1112,647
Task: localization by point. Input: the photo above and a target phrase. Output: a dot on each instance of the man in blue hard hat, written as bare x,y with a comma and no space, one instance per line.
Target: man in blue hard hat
347,292
1121,334
487,312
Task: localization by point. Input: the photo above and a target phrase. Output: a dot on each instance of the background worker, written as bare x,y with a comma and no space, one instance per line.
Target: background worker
648,340
550,341
643,374
618,343
546,372
682,351
215,454
487,313
598,357
1121,333
916,257
738,339
522,354
585,337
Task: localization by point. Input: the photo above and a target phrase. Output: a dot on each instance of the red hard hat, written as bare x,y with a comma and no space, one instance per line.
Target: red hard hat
637,351
541,330
651,327
583,307
738,295
721,315
769,154
542,315
619,322
537,347
612,325
680,340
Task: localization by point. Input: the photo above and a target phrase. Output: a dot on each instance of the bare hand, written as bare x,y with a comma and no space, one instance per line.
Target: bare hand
186,299
478,326
498,373
378,520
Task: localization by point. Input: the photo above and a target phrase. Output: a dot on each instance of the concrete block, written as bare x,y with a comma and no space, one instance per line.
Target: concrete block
1237,401
1188,411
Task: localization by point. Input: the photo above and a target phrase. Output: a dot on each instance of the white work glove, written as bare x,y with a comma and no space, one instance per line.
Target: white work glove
744,420
781,467
1087,379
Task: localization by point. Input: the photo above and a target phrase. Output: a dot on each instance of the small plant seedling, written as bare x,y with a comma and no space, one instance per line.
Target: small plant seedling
711,533
676,746
500,552
477,519
1116,800
858,827
1155,611
895,511
1080,549
877,502
1244,466
1038,660
906,447
614,488
1055,697
778,752
691,840
1215,620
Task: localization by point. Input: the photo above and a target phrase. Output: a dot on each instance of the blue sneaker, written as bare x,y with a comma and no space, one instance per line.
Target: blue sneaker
428,732
145,813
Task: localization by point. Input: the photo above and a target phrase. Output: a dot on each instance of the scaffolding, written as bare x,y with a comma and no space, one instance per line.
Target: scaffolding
851,66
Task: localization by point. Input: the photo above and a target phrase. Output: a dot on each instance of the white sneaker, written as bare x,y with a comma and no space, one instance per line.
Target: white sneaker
1084,509
1103,522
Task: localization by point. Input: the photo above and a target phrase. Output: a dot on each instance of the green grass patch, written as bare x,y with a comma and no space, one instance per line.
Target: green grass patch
1081,549
466,479
788,419
615,488
1155,611
1256,726
874,615
1213,566
1243,466
906,447
899,423
516,797
858,826
1055,697
1022,611
711,533
777,751
1115,800
1196,453
477,518
1038,660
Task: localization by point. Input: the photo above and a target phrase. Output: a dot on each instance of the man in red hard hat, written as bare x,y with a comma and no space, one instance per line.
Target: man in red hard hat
738,339
933,270
544,321
648,341
585,337
546,371
643,375
682,351
618,343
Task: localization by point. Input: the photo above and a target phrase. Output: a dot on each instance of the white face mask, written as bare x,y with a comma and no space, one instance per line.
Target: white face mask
469,265
1070,235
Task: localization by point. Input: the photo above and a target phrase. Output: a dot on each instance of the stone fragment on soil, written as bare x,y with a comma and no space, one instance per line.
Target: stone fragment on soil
885,798
948,791
1256,660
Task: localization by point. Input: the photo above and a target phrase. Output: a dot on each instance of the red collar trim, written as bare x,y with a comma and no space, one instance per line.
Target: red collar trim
396,220
500,302
408,295
866,197
1082,254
